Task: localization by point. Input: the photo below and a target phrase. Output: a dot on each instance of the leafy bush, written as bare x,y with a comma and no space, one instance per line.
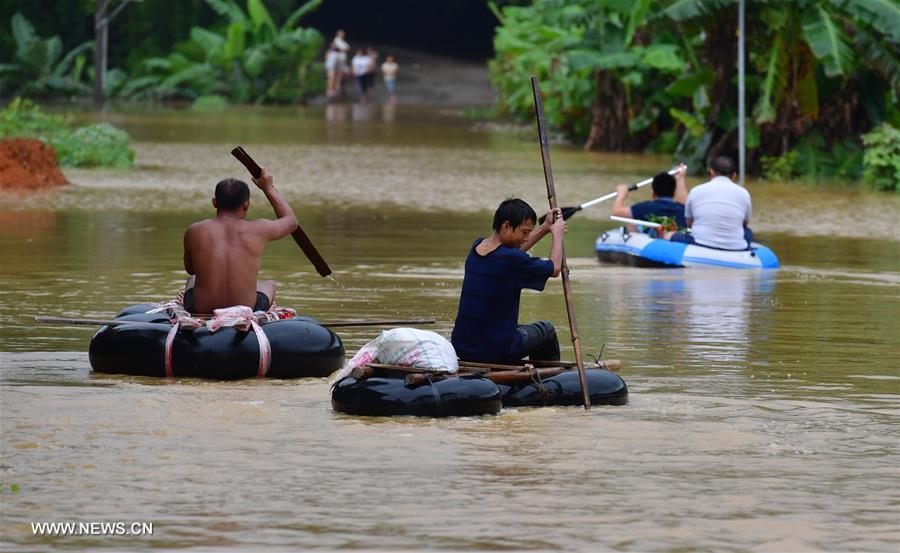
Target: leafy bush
882,157
780,168
22,118
97,145
817,159
210,102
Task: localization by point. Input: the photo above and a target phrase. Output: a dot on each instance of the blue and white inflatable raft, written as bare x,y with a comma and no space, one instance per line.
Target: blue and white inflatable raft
637,249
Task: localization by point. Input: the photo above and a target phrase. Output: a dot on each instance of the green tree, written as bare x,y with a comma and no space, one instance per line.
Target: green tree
245,57
661,75
39,67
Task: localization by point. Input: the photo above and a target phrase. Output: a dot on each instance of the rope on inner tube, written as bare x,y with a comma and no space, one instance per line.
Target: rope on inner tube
538,382
265,349
170,341
434,391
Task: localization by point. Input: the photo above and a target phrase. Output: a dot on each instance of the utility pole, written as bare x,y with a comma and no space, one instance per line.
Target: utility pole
101,45
101,42
742,108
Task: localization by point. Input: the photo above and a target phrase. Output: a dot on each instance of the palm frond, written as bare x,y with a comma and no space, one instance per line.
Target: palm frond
882,15
63,66
764,110
827,41
636,17
24,35
298,14
685,10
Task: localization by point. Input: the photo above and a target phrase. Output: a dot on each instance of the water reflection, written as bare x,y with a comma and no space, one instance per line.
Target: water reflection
704,320
363,112
388,112
336,112
717,309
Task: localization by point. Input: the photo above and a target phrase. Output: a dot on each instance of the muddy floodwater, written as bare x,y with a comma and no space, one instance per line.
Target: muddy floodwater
764,406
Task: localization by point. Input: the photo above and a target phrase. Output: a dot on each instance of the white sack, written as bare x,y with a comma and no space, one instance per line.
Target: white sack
408,347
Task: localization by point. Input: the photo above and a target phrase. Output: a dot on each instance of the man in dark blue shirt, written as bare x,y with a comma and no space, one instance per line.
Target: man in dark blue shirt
669,196
487,328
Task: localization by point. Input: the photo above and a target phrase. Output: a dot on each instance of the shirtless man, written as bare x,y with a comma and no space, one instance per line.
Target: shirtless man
224,254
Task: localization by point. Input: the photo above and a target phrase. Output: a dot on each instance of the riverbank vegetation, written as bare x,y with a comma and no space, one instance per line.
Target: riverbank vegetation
240,53
661,76
95,145
823,76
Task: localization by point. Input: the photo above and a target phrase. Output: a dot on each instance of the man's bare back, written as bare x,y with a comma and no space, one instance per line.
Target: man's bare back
225,253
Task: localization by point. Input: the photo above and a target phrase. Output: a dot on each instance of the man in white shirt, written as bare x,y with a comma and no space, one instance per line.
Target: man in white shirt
718,212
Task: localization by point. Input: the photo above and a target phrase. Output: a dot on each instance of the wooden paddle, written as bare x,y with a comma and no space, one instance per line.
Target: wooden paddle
569,211
551,196
300,237
332,324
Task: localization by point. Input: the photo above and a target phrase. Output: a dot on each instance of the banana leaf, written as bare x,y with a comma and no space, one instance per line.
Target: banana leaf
827,41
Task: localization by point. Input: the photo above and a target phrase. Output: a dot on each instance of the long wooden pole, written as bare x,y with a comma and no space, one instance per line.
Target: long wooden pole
69,321
742,103
551,196
101,45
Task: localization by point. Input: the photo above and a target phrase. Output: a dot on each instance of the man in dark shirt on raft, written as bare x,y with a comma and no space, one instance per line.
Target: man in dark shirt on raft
224,254
669,196
497,269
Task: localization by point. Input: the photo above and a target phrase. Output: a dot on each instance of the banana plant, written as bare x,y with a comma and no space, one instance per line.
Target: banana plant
247,57
582,51
39,68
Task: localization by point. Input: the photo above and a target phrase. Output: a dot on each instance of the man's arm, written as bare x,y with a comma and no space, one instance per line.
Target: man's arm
539,232
558,231
619,207
286,221
681,191
688,212
188,262
749,211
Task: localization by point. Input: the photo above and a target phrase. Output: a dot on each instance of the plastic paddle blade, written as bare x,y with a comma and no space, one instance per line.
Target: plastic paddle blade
567,212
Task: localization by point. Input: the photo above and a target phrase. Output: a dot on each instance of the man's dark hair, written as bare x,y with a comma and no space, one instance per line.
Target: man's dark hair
664,185
515,211
231,193
723,165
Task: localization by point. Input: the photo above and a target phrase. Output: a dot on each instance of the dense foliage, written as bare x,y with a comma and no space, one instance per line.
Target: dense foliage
39,67
243,55
96,145
882,157
661,76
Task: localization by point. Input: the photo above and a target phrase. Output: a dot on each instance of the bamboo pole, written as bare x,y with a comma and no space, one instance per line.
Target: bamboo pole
742,103
551,196
331,324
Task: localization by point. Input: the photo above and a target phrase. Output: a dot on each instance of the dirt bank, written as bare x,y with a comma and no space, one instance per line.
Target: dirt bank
26,163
